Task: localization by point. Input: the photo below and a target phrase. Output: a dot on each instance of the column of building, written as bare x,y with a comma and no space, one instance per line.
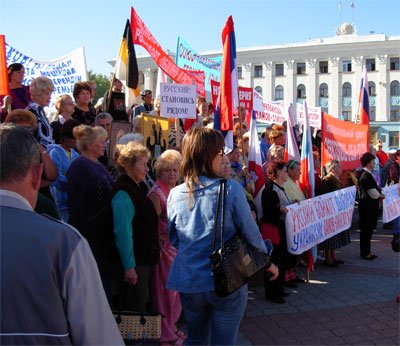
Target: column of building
359,62
247,75
312,99
290,88
268,84
335,101
382,89
149,79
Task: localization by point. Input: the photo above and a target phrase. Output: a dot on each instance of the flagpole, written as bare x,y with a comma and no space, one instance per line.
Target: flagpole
110,92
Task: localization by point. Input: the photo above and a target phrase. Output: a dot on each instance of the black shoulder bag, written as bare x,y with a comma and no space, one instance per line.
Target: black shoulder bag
236,261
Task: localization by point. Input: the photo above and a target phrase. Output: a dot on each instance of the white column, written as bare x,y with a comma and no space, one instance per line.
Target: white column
311,92
290,90
382,90
246,71
149,79
267,85
355,88
335,99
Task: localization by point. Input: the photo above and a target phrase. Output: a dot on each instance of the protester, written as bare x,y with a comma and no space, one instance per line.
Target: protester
277,137
84,111
274,202
146,106
116,105
62,155
51,294
41,89
167,302
264,144
368,205
385,177
89,200
104,120
19,97
135,225
239,172
191,208
331,182
380,154
65,108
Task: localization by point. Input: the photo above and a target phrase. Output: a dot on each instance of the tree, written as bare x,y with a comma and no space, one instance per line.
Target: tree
103,84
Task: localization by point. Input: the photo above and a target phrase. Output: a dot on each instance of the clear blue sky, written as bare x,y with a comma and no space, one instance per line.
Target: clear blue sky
48,29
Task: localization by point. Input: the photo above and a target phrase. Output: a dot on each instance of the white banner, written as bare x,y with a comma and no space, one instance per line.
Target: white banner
391,203
314,220
314,115
64,72
268,112
178,100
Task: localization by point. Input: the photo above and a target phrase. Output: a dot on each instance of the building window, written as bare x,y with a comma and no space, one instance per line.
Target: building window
301,91
395,115
346,115
370,64
323,90
394,64
346,66
301,68
258,89
258,71
346,90
239,72
279,70
371,89
323,67
279,93
394,139
395,88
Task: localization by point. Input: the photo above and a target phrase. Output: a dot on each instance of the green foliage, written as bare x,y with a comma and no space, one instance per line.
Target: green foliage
103,84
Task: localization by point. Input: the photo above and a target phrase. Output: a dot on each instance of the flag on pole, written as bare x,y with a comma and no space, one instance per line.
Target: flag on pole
255,163
228,93
291,148
352,4
3,67
363,100
126,67
307,178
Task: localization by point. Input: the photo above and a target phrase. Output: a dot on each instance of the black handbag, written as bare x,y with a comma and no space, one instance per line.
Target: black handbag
236,261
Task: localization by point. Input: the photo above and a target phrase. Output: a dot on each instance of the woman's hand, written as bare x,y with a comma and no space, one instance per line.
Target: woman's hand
284,210
131,276
274,271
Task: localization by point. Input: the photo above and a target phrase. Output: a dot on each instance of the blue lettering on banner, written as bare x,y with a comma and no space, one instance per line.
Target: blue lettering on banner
309,235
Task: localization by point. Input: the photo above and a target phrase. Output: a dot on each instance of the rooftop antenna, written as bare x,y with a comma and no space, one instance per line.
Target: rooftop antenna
352,11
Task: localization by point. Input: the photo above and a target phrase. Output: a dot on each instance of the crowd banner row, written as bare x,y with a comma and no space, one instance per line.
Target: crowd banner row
143,37
245,97
314,220
64,72
391,203
189,59
343,140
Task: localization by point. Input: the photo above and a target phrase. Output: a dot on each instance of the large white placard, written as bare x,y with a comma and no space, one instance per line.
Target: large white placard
268,112
314,220
178,100
391,203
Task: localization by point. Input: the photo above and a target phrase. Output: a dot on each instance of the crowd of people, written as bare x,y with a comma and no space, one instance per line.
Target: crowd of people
150,228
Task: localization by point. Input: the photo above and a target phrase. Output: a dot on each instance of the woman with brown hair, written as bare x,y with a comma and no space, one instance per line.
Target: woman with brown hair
191,211
84,110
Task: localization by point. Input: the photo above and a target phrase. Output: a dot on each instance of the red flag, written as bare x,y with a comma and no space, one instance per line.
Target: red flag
363,100
3,67
228,93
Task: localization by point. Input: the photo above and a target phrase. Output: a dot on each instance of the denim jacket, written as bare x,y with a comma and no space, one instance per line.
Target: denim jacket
191,231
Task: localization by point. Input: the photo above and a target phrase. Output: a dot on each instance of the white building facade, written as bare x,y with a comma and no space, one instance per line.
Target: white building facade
326,72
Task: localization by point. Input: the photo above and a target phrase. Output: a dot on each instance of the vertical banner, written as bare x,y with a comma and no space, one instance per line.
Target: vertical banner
64,72
314,220
314,115
391,203
344,141
3,67
188,59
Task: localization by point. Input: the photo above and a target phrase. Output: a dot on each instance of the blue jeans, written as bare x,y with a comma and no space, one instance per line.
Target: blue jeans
212,320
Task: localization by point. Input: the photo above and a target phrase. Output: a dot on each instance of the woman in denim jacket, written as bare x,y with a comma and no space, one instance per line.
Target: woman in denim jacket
191,207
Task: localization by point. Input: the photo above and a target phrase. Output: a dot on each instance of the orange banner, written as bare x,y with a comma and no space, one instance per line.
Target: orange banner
143,37
3,67
343,140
